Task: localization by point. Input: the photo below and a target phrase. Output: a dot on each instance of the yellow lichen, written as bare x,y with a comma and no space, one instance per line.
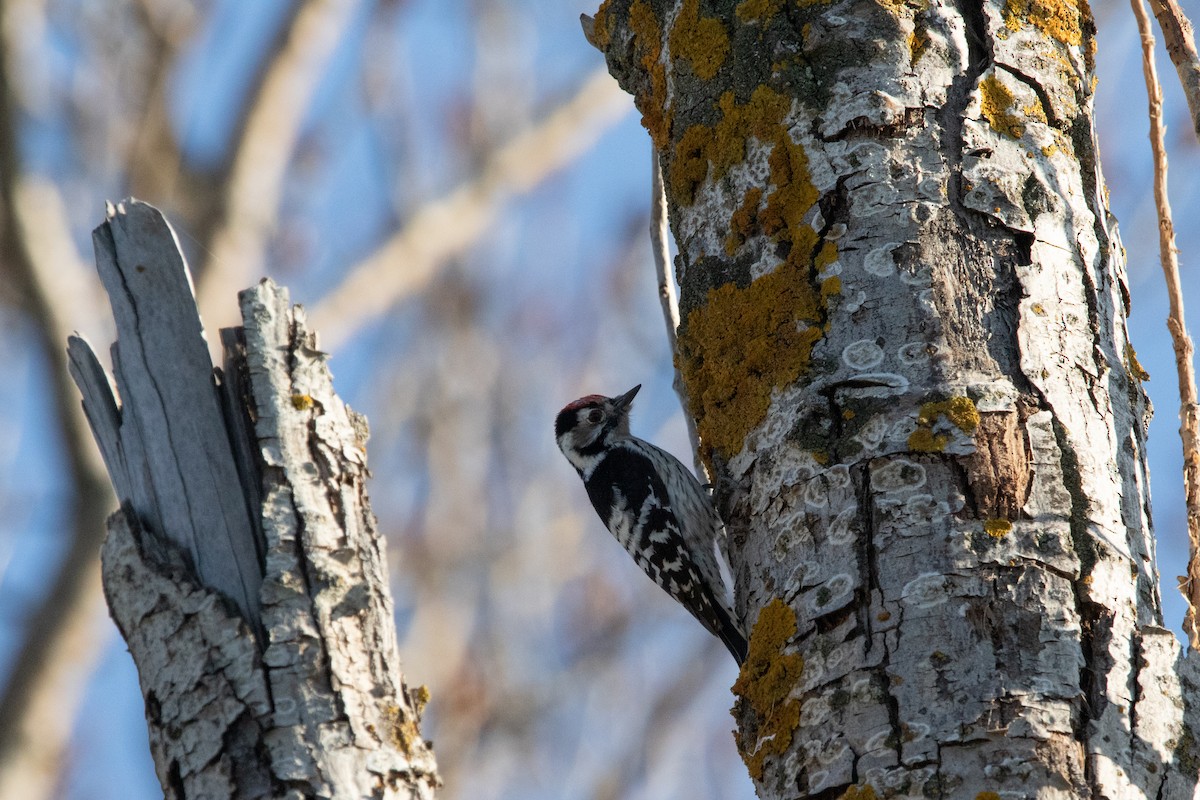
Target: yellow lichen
744,222
997,528
960,411
602,27
820,456
724,144
918,41
864,792
995,100
743,342
701,40
766,682
754,10
987,796
1038,309
302,402
647,43
1135,367
923,440
1060,19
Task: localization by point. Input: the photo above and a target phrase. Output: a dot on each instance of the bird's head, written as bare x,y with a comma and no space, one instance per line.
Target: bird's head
586,427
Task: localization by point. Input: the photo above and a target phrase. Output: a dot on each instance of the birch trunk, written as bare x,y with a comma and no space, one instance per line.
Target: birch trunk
243,568
903,335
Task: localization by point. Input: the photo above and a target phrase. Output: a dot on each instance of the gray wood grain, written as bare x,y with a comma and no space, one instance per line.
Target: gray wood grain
180,474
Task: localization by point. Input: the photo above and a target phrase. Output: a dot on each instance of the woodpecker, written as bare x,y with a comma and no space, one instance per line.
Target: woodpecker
653,505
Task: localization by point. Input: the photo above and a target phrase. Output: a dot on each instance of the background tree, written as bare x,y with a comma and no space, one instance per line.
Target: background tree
525,288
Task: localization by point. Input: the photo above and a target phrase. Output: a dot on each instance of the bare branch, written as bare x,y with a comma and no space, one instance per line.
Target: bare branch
60,640
660,238
1181,47
1189,431
272,127
449,225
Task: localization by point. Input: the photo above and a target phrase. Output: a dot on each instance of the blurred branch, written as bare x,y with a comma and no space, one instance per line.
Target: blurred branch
154,161
1181,47
272,126
660,244
445,227
1189,430
60,642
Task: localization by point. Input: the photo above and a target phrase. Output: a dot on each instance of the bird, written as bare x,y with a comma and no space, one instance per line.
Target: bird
654,506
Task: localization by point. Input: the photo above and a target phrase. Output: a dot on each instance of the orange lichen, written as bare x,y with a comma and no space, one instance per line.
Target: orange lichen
702,41
766,682
995,100
647,42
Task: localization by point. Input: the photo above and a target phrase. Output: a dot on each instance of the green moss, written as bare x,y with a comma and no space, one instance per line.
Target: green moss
765,683
702,41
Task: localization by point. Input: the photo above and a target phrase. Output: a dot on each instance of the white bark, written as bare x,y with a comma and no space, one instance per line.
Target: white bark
293,687
904,336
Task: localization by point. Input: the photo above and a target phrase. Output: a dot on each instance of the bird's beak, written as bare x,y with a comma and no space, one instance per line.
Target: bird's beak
624,400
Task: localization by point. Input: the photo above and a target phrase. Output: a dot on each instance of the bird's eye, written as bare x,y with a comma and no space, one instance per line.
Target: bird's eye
595,415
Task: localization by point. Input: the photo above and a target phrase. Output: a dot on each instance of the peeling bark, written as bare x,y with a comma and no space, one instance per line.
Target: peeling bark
903,332
276,675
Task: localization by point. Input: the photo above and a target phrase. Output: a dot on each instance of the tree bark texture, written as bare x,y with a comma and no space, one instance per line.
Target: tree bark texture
244,568
903,335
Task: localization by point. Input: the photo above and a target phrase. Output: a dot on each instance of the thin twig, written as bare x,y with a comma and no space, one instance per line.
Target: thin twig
1189,431
660,238
1181,47
443,228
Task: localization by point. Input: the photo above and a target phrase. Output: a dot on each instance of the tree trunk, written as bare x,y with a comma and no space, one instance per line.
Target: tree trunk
903,335
244,568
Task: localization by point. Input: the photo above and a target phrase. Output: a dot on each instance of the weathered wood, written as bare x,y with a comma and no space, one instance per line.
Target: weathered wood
172,452
306,697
